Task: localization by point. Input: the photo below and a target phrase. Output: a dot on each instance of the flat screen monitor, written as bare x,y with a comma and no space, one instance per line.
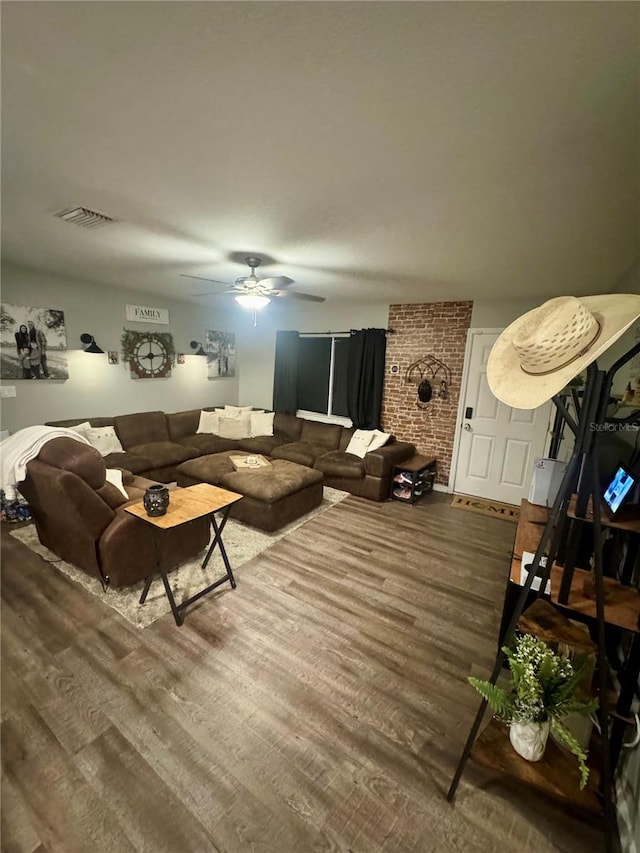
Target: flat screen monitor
623,487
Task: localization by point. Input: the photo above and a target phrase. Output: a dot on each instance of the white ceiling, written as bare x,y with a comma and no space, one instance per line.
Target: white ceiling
392,151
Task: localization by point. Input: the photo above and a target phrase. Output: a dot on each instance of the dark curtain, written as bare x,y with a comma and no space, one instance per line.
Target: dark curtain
285,374
365,376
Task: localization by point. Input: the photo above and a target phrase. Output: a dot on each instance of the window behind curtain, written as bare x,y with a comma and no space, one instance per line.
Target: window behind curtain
318,372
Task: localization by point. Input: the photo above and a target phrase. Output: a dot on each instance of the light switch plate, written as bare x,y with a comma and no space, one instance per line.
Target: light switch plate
7,390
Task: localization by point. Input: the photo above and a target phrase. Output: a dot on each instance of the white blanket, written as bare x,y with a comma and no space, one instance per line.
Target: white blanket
22,447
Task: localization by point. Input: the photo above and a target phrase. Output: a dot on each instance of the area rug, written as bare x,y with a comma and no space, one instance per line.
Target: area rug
507,512
242,544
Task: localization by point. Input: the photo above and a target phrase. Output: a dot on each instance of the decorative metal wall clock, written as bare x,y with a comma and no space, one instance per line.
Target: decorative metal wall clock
150,354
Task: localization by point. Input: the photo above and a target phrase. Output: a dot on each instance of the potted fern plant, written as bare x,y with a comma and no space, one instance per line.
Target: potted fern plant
544,689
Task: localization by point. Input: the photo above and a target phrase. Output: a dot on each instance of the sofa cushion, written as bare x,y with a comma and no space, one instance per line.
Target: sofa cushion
95,422
288,427
75,457
206,443
81,428
131,461
163,453
114,477
206,469
181,424
261,424
380,463
141,428
345,438
323,435
208,423
300,452
111,495
264,444
272,484
337,463
379,440
238,411
235,427
104,439
360,441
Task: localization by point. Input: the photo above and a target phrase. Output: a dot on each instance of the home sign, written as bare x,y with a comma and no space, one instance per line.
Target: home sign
140,314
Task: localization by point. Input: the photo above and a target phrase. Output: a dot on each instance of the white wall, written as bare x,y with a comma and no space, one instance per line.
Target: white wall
257,345
94,387
497,314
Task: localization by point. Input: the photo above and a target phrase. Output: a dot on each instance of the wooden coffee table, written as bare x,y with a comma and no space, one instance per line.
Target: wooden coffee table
186,505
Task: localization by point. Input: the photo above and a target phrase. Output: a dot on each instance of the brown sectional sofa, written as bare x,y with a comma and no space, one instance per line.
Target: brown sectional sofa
156,444
81,517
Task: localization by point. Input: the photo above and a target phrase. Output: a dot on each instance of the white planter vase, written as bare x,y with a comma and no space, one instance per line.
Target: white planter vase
529,739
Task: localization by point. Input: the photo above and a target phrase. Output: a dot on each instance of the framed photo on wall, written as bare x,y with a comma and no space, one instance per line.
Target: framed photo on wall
221,354
33,343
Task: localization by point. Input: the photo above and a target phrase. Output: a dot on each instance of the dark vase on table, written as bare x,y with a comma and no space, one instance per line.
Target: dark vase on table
156,500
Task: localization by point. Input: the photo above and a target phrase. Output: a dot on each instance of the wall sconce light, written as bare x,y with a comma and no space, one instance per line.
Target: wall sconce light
197,346
90,341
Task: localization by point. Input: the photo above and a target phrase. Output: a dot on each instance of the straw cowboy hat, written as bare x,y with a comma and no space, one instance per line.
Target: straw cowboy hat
541,352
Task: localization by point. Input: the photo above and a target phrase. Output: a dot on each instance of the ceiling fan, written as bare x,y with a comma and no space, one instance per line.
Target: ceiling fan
253,292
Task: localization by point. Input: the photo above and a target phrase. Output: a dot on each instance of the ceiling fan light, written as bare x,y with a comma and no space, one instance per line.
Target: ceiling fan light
252,300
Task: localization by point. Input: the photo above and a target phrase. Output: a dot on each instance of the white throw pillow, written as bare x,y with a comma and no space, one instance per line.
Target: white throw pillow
378,440
261,423
360,441
104,439
114,476
209,422
237,411
363,441
234,427
81,429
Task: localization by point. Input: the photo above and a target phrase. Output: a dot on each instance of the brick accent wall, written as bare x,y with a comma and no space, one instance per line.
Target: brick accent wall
438,329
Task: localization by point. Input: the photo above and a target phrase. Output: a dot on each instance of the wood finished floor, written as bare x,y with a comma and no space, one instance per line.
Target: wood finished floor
321,706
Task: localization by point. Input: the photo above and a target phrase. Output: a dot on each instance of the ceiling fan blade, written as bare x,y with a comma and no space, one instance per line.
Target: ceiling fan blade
292,293
202,278
277,282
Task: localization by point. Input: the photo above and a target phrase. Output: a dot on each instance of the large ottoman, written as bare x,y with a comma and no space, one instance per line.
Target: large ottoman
272,497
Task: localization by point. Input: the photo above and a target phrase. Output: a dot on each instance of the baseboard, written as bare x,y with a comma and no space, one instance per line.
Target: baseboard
437,487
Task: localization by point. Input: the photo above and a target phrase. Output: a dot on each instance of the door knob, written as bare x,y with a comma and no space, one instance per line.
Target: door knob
467,427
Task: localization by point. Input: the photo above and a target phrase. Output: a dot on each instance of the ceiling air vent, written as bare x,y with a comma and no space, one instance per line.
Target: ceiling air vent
83,217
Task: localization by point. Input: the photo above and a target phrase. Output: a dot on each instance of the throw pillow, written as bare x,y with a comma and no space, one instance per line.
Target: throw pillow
360,441
235,427
237,411
209,422
104,439
81,429
114,476
261,423
378,440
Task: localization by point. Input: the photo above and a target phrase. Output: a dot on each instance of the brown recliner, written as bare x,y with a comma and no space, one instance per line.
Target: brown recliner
81,517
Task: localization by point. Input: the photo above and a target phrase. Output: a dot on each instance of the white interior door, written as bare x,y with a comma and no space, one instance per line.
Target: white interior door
497,444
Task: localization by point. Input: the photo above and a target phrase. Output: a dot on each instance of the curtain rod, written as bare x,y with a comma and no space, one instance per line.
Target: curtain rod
348,332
